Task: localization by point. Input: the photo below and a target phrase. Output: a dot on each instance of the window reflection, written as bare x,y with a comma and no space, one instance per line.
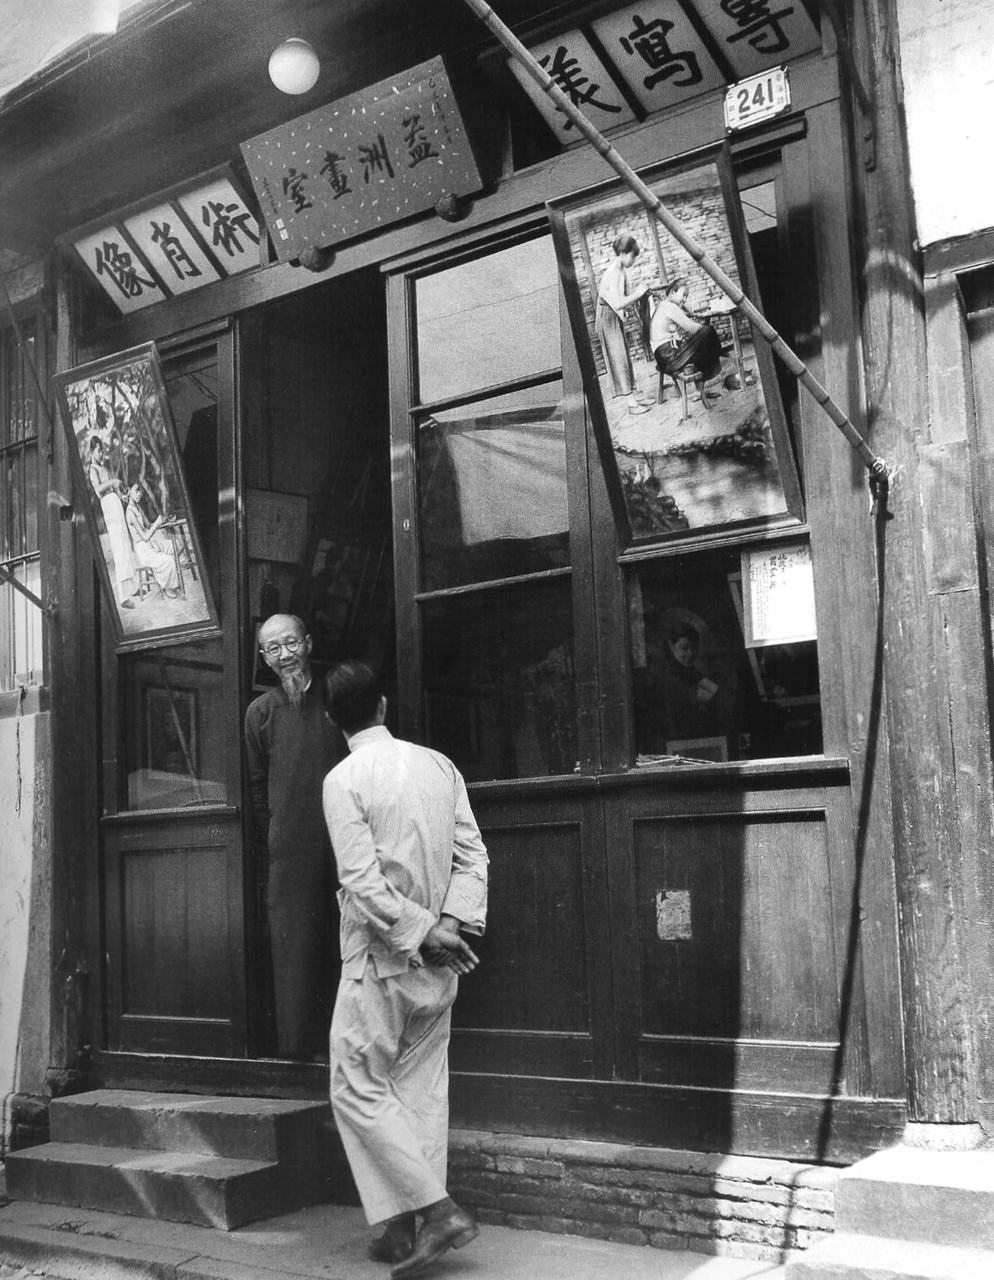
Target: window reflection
175,730
192,388
175,734
499,688
493,489
492,320
699,691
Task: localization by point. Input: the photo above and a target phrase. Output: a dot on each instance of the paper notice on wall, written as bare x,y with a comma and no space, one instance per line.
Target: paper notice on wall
778,595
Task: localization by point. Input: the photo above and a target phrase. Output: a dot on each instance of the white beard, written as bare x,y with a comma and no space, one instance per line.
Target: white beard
294,683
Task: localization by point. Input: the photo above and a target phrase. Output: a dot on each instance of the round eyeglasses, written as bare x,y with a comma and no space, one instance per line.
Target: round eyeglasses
273,650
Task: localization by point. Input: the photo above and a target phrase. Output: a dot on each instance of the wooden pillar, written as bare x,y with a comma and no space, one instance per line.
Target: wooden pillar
931,486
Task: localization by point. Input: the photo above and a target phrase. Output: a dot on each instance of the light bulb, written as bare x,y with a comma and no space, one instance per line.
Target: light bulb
294,66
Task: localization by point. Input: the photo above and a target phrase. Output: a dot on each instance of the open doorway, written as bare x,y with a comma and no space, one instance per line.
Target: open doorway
316,468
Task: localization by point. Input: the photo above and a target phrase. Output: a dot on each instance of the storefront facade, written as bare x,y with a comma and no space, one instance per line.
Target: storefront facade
694,932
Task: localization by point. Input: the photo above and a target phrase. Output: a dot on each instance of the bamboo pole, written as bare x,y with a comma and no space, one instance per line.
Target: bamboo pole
878,469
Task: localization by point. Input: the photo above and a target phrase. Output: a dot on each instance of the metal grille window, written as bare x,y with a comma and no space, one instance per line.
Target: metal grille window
21,637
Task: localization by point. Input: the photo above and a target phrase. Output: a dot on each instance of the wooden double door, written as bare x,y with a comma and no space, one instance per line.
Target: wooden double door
677,960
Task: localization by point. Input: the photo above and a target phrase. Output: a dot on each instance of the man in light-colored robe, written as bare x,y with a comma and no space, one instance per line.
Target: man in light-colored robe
413,871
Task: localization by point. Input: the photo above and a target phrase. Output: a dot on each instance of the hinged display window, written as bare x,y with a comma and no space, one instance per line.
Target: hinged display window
683,395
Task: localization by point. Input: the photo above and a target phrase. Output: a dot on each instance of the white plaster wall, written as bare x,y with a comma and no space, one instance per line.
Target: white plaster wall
947,64
25,906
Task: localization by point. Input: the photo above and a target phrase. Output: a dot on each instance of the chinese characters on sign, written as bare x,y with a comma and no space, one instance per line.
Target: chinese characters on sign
649,56
178,244
778,595
389,152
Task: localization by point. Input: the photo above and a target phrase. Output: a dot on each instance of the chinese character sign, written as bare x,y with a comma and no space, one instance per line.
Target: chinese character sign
655,54
571,63
204,233
659,53
755,34
778,595
119,268
224,221
389,152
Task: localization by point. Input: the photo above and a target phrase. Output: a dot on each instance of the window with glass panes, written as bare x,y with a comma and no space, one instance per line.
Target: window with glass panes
723,650
21,621
700,610
492,608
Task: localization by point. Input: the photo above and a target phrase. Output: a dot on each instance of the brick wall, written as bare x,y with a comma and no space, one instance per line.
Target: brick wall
734,1205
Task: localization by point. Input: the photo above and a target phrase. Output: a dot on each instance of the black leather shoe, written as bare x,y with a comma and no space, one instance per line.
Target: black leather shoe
450,1230
396,1241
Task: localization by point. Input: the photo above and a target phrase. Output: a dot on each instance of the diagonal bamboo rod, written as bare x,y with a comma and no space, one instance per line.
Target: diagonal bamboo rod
879,471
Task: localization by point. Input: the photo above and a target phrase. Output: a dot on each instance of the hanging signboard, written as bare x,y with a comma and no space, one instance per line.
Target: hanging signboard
202,233
127,466
386,153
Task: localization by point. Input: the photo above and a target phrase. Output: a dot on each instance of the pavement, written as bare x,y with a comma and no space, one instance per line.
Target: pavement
326,1242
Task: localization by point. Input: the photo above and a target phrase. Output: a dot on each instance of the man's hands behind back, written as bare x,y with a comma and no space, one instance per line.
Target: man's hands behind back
444,946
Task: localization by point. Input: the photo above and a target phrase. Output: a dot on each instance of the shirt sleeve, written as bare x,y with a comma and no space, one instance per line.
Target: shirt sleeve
466,898
400,922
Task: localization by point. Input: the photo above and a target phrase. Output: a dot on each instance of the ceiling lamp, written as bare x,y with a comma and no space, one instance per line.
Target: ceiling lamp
294,66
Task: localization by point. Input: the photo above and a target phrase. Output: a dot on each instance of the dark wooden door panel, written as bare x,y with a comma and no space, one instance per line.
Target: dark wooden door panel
174,936
539,1002
737,904
734,935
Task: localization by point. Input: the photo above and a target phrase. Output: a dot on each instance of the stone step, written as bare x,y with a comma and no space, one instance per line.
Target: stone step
845,1256
177,1186
242,1128
937,1197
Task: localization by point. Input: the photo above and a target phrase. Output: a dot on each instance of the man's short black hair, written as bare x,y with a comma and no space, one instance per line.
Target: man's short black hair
351,695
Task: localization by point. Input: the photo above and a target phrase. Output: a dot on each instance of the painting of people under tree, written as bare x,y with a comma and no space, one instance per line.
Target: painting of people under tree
683,395
129,477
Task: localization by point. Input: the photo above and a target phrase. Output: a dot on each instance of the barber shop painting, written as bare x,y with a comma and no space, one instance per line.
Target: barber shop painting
128,479
683,395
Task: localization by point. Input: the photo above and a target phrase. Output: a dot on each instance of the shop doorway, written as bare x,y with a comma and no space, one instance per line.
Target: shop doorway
316,468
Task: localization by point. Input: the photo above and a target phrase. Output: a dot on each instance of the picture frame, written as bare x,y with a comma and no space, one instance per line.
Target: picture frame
689,426
126,463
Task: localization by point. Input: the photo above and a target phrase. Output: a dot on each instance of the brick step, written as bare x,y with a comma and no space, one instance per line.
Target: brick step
936,1197
242,1128
177,1186
846,1256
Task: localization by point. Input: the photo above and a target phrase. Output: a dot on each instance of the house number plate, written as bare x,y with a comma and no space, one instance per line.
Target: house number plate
760,97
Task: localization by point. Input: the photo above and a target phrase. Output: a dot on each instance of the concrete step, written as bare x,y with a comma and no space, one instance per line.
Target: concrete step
846,1256
208,1190
937,1197
242,1128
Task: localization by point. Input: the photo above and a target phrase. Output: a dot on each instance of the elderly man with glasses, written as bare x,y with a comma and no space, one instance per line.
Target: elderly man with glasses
289,747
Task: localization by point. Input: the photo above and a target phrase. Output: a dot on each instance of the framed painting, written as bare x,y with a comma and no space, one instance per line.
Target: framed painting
683,396
126,463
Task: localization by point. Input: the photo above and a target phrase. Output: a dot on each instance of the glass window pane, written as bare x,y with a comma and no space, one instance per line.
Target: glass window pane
699,691
192,388
498,679
492,320
22,635
492,484
175,728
